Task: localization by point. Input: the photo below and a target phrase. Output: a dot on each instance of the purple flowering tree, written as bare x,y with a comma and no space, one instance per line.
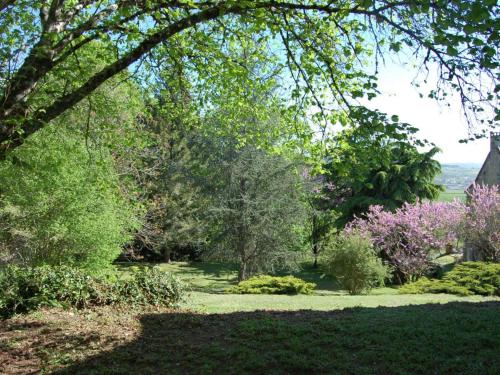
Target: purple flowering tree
482,226
412,235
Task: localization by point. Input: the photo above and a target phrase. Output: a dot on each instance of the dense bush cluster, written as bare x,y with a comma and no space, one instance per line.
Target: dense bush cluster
465,279
410,237
353,261
29,288
61,203
150,286
266,284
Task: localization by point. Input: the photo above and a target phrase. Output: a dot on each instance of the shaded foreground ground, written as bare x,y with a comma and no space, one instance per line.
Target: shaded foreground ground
453,338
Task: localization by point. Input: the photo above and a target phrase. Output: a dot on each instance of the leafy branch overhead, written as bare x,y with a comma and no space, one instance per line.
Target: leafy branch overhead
327,46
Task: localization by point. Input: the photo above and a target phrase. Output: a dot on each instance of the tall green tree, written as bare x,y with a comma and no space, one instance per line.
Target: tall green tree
188,125
327,46
257,210
61,203
64,196
173,224
378,162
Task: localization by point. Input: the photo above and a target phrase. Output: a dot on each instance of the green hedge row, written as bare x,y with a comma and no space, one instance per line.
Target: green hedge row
24,289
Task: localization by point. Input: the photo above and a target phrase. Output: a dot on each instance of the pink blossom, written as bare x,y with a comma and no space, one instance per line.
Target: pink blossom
482,227
410,236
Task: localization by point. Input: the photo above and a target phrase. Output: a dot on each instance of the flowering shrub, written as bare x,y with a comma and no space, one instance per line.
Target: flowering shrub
408,237
482,226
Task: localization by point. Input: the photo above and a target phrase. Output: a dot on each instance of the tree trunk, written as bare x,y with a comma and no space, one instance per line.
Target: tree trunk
166,256
242,272
242,243
315,239
315,255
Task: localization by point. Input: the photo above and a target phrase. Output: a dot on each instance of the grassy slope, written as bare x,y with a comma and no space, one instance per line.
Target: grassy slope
208,281
213,303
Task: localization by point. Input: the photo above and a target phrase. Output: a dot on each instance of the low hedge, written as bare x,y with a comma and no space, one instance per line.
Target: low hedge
465,279
24,289
266,284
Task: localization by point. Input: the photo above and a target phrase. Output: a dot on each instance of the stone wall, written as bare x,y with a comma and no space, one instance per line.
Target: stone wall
490,171
488,175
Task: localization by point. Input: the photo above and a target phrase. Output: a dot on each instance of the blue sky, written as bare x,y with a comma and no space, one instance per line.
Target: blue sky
441,125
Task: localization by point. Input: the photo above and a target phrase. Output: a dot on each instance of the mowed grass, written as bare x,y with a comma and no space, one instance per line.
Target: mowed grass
216,303
207,283
453,338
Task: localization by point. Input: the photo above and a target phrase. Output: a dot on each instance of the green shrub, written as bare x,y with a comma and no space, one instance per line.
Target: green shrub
425,285
150,286
60,203
266,284
26,289
465,279
478,277
29,288
352,260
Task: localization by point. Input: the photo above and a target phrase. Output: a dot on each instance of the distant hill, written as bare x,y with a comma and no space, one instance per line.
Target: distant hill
458,176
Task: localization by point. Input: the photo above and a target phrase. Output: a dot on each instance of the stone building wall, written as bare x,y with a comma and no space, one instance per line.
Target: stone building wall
489,174
490,171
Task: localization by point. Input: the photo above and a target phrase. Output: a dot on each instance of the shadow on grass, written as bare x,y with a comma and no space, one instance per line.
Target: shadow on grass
205,277
317,276
216,270
208,277
455,338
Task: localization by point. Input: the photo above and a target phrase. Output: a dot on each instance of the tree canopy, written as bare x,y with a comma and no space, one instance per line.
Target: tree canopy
323,46
378,162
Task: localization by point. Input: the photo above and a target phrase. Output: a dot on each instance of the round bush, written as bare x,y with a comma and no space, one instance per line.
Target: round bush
352,260
150,286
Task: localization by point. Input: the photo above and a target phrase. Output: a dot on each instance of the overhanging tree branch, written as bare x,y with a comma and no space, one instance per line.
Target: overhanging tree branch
65,31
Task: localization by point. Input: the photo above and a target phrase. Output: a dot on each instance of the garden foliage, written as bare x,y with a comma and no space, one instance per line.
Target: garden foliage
378,161
353,261
24,289
465,279
266,284
482,226
61,203
149,286
409,237
257,212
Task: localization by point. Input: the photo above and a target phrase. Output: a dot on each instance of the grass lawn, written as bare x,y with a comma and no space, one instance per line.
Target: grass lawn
207,282
329,332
